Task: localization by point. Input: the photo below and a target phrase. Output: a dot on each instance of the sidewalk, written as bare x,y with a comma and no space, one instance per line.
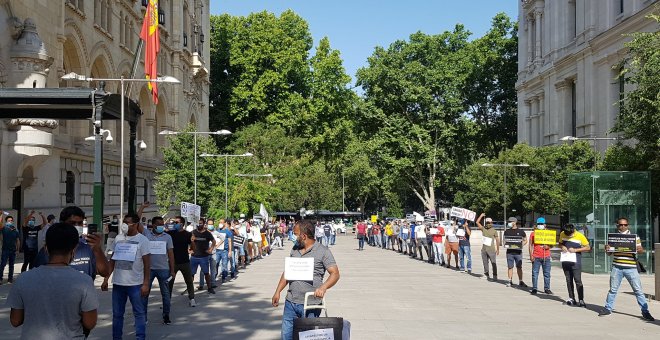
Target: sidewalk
386,295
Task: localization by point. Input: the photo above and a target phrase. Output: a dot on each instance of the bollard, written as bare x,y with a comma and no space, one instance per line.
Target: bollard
657,268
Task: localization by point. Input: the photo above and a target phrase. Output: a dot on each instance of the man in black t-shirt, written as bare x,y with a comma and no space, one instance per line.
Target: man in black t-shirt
181,240
514,241
201,254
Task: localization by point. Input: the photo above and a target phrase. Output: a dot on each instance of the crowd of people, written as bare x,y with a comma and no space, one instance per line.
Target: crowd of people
67,255
442,241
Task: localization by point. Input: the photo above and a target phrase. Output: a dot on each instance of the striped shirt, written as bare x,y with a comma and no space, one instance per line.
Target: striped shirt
626,260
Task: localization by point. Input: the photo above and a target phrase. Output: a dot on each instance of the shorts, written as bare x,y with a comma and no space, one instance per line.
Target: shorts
202,262
451,247
241,250
512,259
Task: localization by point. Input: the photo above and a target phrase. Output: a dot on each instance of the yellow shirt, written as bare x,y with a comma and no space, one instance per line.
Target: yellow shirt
388,230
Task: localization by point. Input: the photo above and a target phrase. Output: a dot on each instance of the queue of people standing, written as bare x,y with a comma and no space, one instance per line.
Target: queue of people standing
441,242
69,258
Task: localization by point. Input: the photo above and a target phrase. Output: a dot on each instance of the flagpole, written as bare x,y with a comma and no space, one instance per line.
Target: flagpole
136,62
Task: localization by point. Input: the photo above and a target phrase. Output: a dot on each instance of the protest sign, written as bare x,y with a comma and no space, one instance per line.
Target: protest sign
298,269
545,236
463,213
513,242
621,243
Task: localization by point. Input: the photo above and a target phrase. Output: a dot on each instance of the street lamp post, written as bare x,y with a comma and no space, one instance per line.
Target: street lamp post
98,167
247,154
594,139
253,175
195,133
505,166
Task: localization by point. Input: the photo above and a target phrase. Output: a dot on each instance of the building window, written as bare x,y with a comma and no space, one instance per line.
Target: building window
572,19
125,189
573,110
145,192
621,8
70,187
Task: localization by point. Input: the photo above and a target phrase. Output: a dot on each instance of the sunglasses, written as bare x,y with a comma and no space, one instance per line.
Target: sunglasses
623,224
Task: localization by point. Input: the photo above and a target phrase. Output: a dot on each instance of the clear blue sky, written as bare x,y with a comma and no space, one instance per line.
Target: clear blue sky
355,27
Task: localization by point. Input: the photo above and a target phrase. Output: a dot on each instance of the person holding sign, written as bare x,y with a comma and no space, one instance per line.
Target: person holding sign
514,241
302,278
491,245
161,250
539,250
573,243
624,264
451,245
131,265
182,241
437,236
463,233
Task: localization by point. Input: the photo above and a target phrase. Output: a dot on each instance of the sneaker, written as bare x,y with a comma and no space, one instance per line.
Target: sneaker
200,287
469,271
166,320
605,312
214,286
211,291
582,304
494,277
548,291
509,284
570,302
647,316
522,284
533,292
192,303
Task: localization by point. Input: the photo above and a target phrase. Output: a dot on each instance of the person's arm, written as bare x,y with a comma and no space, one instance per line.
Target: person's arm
170,257
16,317
280,287
481,227
531,248
43,220
331,281
89,319
210,249
18,244
111,268
467,230
102,266
146,262
141,209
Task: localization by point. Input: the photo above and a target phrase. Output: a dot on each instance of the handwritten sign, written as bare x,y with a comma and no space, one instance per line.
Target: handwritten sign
568,257
298,269
487,241
546,236
621,243
460,232
190,211
158,247
463,213
317,334
125,251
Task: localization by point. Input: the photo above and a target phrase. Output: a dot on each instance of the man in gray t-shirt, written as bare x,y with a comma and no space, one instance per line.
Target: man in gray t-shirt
306,247
54,301
162,263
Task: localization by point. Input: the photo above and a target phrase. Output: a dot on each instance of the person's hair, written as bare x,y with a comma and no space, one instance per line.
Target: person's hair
209,220
621,218
157,219
50,218
61,239
306,227
179,217
569,229
8,217
73,210
134,218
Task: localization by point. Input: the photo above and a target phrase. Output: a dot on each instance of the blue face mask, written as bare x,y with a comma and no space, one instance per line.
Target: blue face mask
177,226
159,229
31,223
10,224
210,227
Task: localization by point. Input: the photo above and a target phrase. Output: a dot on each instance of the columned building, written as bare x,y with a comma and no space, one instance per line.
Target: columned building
568,65
47,164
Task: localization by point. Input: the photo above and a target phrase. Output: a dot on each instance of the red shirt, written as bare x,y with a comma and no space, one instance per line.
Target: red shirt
361,229
438,237
540,250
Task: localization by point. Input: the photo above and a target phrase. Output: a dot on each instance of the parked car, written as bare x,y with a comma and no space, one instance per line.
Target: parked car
340,227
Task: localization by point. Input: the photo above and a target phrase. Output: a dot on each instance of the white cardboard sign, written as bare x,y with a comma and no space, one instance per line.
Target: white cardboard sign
463,213
298,269
125,251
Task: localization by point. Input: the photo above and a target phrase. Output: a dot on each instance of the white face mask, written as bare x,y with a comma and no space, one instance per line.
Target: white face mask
80,230
540,226
510,225
124,228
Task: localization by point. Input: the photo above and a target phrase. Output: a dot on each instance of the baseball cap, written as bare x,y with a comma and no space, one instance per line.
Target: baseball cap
461,221
513,219
540,220
489,220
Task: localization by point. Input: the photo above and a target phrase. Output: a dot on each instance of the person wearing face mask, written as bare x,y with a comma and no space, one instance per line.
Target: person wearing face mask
625,265
182,242
111,230
213,263
201,254
10,246
131,265
572,241
306,247
540,257
224,249
514,251
42,233
30,241
491,246
54,301
162,263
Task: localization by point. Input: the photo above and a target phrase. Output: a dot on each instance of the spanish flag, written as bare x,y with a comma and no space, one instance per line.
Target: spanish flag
151,38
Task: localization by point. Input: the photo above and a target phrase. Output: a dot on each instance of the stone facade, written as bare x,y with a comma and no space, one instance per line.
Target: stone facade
568,54
46,165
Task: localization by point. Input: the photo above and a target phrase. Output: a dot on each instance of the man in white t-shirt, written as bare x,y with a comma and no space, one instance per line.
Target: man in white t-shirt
131,272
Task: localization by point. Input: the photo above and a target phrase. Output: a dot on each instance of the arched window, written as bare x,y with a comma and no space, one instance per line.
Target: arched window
70,187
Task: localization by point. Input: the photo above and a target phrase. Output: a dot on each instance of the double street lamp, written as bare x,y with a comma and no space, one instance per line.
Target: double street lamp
98,148
247,154
571,138
195,133
505,166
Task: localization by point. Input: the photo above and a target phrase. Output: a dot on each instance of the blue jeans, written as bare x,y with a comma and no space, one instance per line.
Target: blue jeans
222,257
462,251
213,271
161,275
8,256
293,311
544,263
119,296
333,239
361,241
631,274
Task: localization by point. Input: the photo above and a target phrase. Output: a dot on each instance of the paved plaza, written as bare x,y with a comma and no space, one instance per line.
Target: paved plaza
386,295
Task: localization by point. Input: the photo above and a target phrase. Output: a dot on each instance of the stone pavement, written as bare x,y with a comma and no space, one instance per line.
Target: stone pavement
386,295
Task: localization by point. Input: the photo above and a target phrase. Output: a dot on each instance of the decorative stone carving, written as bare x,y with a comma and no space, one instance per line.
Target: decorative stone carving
46,123
15,28
29,58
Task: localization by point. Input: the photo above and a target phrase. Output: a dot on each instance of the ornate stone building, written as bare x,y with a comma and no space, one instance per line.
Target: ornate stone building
567,65
47,164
